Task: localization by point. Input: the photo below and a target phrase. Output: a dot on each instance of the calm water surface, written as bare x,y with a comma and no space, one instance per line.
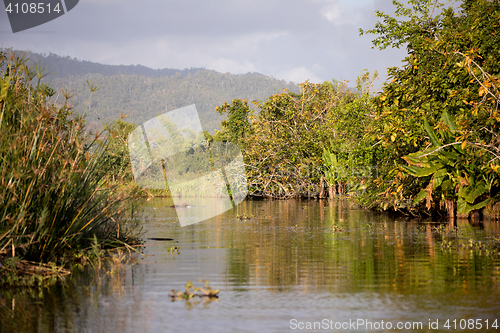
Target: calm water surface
292,264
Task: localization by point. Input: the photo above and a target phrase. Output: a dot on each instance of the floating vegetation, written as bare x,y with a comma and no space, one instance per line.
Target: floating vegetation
245,217
118,261
447,230
446,244
337,228
192,292
174,250
422,228
16,272
108,261
475,245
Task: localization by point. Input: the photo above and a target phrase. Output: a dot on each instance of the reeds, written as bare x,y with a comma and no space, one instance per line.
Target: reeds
55,190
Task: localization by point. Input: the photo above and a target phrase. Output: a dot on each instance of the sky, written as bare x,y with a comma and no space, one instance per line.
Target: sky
293,40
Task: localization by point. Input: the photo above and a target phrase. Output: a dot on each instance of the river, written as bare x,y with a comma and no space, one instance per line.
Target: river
281,266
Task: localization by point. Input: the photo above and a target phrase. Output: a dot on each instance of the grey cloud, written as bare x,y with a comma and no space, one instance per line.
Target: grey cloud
272,37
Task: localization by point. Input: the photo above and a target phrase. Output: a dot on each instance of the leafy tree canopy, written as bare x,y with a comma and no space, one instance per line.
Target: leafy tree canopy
452,68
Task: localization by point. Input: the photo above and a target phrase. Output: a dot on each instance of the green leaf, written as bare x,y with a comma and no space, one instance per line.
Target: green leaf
417,159
4,87
420,196
432,135
471,192
329,159
482,204
448,157
463,207
449,120
422,172
438,177
447,185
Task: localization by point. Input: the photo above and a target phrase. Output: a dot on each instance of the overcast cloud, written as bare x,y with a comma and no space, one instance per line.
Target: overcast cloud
292,40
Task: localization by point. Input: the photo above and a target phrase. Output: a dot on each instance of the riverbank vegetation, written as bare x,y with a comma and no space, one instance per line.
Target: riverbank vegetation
286,143
428,143
57,199
437,116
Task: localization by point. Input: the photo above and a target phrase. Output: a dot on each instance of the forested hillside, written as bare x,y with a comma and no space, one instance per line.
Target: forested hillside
141,93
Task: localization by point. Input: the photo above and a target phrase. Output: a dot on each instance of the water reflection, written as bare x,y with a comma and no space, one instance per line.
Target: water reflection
285,262
294,246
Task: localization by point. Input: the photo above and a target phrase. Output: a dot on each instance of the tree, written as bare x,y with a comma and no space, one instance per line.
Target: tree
117,156
284,144
452,68
237,127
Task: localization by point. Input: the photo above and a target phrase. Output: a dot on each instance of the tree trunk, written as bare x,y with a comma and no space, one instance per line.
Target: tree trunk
331,191
322,188
341,189
474,217
451,209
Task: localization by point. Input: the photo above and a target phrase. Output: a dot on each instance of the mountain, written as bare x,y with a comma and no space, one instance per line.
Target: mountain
141,93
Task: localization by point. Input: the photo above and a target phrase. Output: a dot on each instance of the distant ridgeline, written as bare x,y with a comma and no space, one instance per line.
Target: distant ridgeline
142,93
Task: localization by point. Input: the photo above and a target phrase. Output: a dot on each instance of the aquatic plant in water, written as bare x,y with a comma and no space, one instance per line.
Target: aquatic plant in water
192,291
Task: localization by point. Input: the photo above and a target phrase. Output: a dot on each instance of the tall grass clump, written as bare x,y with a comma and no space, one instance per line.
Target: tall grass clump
55,194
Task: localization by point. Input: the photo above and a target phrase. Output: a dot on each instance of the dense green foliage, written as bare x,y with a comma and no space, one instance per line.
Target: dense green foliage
446,162
449,85
116,155
283,144
238,126
431,133
55,194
